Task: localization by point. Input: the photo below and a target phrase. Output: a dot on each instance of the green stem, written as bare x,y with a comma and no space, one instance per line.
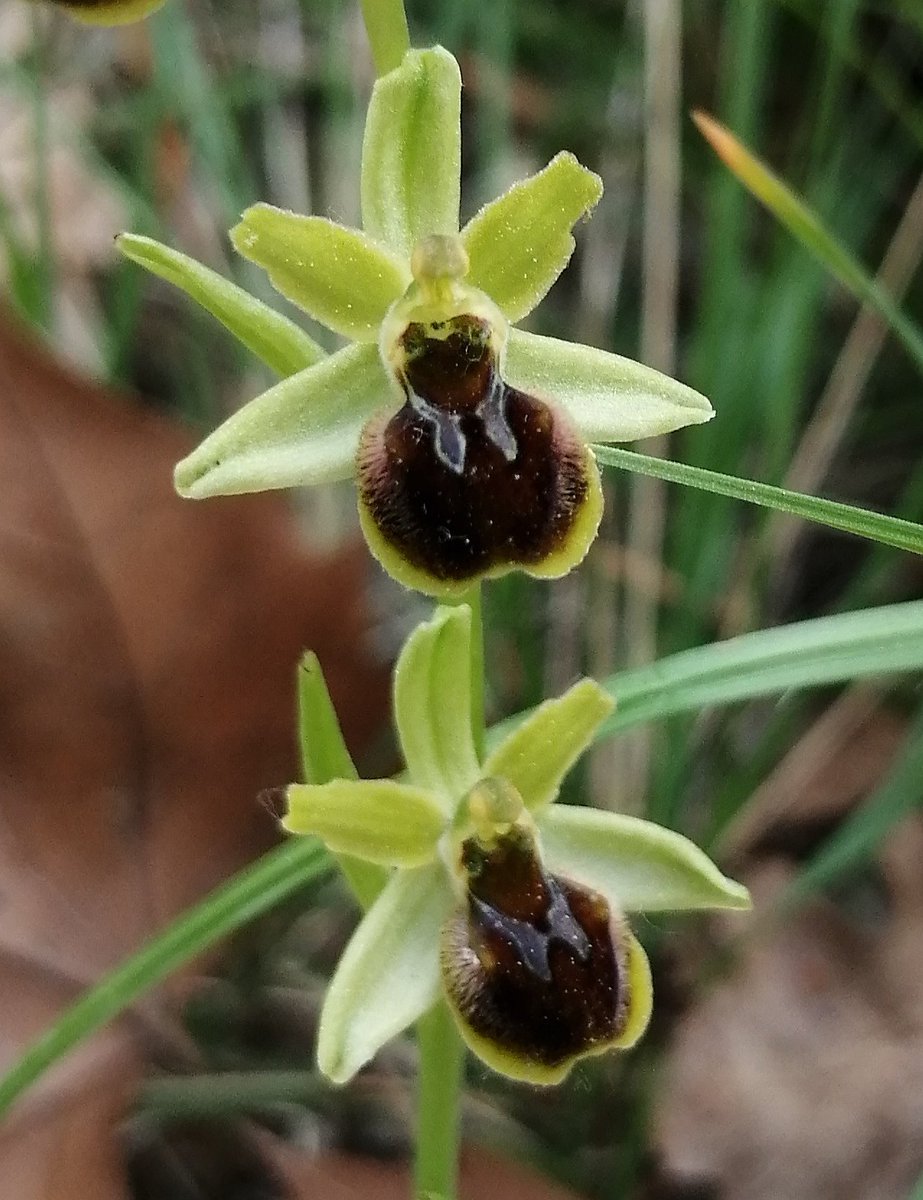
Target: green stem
442,1052
386,26
442,1060
473,600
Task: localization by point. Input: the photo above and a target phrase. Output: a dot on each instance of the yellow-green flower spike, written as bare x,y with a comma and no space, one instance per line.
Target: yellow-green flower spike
109,12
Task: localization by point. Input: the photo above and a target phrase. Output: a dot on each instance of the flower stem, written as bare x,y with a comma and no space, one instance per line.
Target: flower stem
442,1052
473,600
386,26
442,1060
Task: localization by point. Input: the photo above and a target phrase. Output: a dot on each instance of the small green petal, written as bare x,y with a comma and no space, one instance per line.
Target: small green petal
338,275
537,755
376,819
304,430
411,156
110,12
609,398
432,705
521,242
639,866
389,973
275,339
325,757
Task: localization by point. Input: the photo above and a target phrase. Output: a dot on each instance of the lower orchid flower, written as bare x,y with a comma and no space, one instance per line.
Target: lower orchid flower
488,894
468,439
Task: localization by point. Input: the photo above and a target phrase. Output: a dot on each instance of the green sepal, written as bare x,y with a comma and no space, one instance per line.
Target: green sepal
608,398
537,755
432,705
111,12
389,973
338,275
520,243
304,430
411,155
638,866
379,820
269,335
325,757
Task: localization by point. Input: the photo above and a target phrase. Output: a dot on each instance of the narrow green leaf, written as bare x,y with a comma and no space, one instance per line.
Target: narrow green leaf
389,973
537,755
520,243
639,866
325,757
304,430
609,398
275,339
890,531
804,224
338,275
872,641
432,705
411,155
378,820
248,895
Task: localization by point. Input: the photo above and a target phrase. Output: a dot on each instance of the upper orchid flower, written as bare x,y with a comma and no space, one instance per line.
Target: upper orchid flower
509,905
468,439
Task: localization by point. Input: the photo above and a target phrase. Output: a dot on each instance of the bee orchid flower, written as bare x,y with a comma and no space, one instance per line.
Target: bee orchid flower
511,907
468,438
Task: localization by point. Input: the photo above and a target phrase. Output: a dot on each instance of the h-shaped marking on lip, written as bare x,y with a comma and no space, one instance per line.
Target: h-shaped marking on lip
449,440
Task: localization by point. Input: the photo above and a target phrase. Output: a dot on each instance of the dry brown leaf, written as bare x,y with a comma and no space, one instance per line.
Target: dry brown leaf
147,656
483,1176
801,1076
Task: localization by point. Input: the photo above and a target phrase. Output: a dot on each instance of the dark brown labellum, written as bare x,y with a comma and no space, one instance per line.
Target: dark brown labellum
536,968
470,476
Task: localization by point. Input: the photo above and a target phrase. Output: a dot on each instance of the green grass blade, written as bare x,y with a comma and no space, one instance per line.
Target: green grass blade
249,894
806,226
877,527
873,641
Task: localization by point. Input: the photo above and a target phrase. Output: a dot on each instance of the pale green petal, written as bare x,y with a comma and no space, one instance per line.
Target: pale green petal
521,242
609,398
432,705
110,12
325,757
304,430
379,820
411,156
338,275
389,973
273,338
639,866
537,755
